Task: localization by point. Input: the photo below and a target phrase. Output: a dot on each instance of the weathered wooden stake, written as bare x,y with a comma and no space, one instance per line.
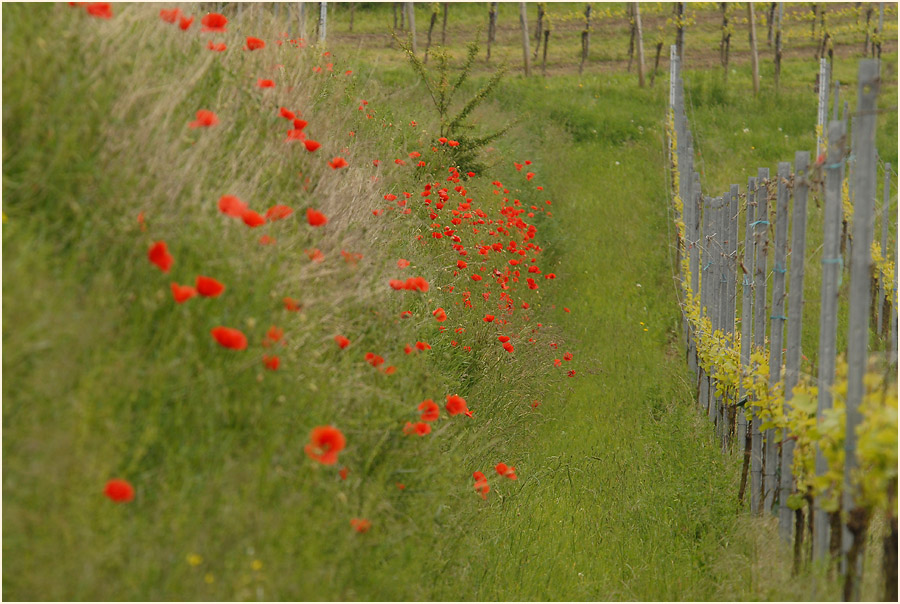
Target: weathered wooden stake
706,286
794,330
546,44
731,270
832,264
323,22
761,225
679,30
754,56
858,334
776,332
526,52
444,26
411,19
778,50
746,311
585,37
640,43
492,26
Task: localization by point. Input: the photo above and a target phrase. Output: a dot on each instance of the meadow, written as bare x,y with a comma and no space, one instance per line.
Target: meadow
576,381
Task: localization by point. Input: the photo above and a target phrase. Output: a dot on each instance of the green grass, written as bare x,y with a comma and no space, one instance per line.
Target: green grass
621,492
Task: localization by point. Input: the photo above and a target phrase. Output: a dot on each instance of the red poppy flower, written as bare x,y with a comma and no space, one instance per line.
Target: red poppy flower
119,490
430,410
508,471
571,373
315,218
396,284
232,206
508,347
343,473
274,334
299,124
503,339
216,47
342,341
291,305
360,525
567,356
254,43
476,277
406,314
461,264
390,370
159,255
325,442
315,255
550,276
101,10
440,315
252,219
286,113
266,240
230,338
295,135
214,22
453,143
311,145
265,83
185,23
531,283
182,293
456,405
423,346
374,360
205,118
337,163
402,263
529,175
488,318
170,16
416,284
481,484
272,362
278,212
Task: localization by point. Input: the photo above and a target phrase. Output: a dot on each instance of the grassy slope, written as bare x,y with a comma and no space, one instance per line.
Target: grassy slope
621,493
107,377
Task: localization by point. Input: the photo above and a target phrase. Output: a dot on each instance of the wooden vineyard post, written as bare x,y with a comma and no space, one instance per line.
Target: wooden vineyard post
835,101
679,30
823,106
731,235
794,330
831,271
640,43
523,21
434,14
323,22
754,56
444,26
746,331
492,27
301,20
705,293
585,37
718,295
539,29
778,50
411,19
761,225
687,196
885,220
853,539
776,331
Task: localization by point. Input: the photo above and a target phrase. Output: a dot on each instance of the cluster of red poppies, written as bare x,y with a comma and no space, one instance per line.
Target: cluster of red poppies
495,244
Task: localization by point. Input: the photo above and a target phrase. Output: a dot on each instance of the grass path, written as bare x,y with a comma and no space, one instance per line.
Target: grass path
626,496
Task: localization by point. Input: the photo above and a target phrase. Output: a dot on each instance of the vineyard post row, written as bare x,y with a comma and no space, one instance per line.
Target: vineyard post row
737,374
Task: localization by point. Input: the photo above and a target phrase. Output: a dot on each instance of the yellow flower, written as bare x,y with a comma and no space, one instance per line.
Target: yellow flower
256,565
195,559
209,578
